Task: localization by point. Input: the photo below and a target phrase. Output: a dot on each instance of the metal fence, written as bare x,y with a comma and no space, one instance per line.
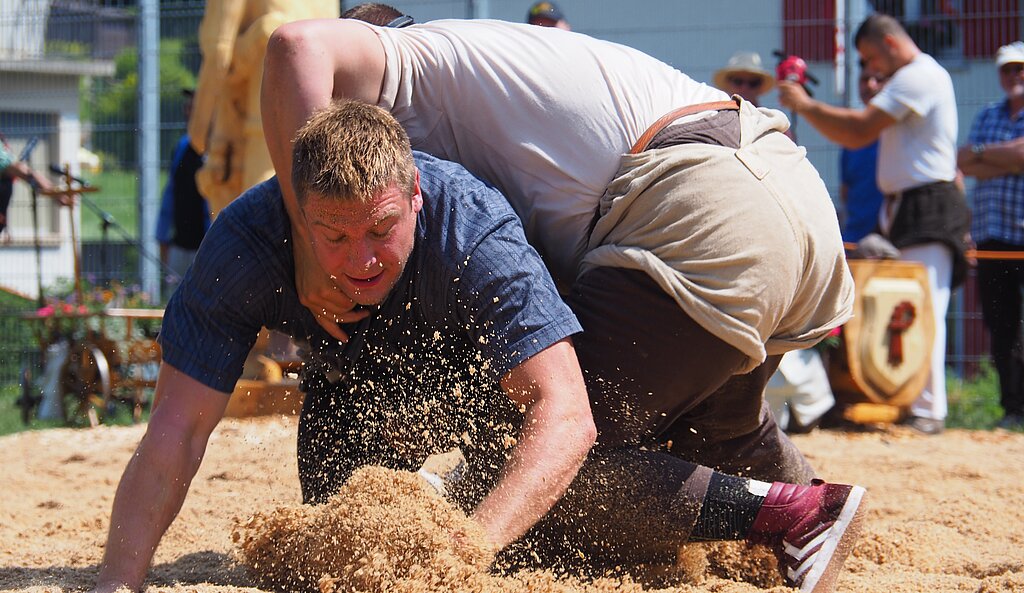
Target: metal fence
69,80
69,77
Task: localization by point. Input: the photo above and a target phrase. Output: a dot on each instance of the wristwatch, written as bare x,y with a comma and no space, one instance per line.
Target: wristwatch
977,150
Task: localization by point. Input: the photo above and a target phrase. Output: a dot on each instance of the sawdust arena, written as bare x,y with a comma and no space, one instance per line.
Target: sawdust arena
946,513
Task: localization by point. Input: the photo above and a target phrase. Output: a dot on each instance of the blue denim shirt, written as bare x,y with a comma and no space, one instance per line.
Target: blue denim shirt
473,294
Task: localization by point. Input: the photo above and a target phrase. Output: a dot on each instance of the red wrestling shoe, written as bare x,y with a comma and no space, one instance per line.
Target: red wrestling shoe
812,528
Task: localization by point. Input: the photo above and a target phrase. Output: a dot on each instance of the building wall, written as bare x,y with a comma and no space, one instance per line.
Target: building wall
55,98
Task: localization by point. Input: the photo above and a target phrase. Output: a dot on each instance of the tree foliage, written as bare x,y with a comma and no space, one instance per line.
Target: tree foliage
114,107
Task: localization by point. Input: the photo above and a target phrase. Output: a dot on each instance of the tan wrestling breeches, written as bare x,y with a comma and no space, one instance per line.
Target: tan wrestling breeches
746,241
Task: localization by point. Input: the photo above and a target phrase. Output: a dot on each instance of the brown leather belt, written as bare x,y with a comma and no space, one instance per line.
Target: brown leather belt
671,116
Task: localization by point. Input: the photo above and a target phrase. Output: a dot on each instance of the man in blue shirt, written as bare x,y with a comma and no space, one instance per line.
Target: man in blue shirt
994,156
858,167
454,307
184,214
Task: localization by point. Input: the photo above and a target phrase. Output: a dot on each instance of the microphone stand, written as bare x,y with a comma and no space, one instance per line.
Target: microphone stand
108,221
40,299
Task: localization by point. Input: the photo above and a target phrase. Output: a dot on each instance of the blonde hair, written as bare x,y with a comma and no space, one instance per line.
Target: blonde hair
351,150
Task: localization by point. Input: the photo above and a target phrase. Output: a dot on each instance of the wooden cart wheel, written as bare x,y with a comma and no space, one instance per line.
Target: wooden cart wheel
87,383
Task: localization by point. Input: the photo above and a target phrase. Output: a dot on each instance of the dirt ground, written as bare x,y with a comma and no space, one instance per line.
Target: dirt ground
946,513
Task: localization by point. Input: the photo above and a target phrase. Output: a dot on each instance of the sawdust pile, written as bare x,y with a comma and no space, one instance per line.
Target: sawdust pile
382,531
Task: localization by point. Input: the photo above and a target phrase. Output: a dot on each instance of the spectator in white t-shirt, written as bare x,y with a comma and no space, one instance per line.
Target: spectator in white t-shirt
924,214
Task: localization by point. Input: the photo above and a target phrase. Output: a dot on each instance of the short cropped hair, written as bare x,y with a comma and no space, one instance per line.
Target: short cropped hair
351,151
374,13
876,27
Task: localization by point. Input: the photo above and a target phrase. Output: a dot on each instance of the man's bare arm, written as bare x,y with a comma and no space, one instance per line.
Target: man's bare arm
995,160
308,64
158,476
851,128
557,433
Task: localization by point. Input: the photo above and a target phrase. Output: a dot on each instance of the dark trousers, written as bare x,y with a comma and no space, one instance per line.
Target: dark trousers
1001,283
659,380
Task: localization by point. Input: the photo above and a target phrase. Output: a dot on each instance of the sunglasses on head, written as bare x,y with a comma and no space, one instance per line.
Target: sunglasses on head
742,81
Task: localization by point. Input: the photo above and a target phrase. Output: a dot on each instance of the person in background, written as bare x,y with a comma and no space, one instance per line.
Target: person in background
925,213
11,168
547,14
184,214
744,75
858,189
994,155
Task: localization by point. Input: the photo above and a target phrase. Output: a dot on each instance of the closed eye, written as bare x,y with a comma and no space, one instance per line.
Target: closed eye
383,230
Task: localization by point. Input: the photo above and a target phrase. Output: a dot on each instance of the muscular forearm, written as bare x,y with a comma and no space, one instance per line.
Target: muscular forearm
540,470
157,478
308,64
146,503
841,125
557,433
983,171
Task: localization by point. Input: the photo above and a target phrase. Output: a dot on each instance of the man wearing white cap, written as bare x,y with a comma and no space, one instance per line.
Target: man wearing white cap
925,213
744,75
994,155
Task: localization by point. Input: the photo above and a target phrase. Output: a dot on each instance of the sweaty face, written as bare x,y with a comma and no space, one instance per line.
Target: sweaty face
364,246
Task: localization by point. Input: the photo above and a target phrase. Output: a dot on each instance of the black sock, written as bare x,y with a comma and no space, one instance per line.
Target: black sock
728,511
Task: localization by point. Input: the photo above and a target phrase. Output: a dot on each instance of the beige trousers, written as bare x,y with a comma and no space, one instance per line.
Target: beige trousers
746,241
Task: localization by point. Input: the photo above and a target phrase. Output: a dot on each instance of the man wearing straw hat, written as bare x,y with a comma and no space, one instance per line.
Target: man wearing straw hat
744,75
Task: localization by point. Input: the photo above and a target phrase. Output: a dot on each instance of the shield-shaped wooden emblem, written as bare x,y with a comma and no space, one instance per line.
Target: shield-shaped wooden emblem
888,342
